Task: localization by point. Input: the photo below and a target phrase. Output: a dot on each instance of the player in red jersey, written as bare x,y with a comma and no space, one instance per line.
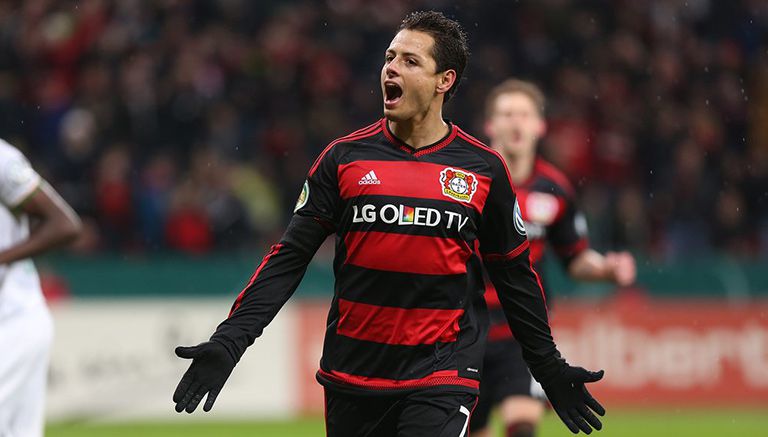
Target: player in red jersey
408,199
515,123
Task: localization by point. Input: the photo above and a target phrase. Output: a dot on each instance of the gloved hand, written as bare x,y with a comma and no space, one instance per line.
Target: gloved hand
571,400
211,366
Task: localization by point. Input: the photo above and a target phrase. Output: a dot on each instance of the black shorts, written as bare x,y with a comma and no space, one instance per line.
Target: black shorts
424,413
505,374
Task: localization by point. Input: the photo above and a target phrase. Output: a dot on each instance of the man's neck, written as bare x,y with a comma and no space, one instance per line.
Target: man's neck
520,166
420,131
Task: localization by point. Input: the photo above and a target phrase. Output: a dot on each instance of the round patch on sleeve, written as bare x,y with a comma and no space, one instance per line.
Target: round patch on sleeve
303,197
519,223
580,224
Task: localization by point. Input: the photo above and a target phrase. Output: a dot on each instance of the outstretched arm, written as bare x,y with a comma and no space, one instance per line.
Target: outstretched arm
271,285
504,246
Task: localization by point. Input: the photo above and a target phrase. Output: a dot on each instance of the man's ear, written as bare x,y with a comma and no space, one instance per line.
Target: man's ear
487,129
445,81
542,128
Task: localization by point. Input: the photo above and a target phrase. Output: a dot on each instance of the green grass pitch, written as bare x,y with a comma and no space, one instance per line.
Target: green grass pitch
627,423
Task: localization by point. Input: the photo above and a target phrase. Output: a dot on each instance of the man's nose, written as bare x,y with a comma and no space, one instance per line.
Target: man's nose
391,69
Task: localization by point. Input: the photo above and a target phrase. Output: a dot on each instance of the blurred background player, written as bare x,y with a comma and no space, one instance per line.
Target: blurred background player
515,124
33,219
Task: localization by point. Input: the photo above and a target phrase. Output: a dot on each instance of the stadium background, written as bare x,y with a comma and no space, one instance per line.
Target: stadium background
181,131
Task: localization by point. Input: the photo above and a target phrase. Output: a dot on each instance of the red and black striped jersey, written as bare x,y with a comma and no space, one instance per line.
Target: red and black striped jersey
408,310
551,217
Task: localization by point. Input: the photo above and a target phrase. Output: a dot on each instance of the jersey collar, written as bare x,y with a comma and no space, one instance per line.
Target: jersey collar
434,147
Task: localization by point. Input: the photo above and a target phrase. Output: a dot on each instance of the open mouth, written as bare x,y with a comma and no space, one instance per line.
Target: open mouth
392,93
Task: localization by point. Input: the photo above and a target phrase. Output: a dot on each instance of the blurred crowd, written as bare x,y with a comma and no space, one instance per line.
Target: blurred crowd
189,125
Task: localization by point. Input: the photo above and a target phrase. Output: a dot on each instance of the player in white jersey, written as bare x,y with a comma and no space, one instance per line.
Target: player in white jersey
25,325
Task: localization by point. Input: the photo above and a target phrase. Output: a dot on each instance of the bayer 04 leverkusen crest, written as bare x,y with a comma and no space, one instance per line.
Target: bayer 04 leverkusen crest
458,184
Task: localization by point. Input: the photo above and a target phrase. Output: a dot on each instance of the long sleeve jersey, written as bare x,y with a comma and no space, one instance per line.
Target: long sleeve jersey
410,226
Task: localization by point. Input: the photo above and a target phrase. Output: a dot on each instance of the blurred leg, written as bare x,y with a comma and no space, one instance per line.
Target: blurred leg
25,340
521,415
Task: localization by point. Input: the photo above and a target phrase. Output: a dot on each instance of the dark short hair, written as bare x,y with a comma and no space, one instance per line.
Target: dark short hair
450,50
515,86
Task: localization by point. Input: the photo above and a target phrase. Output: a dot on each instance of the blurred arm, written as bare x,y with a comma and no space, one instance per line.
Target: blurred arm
617,267
58,224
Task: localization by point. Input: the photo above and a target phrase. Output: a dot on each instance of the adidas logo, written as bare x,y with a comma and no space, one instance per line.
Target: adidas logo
369,179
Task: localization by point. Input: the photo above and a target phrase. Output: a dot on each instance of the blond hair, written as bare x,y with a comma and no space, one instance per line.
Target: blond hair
512,86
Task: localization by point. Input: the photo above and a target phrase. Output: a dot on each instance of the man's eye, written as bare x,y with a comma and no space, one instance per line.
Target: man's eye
388,58
411,62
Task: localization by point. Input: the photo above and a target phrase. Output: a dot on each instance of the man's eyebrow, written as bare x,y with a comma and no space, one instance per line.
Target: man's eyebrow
415,55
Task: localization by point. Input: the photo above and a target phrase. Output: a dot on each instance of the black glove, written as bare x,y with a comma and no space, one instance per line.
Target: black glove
210,368
571,400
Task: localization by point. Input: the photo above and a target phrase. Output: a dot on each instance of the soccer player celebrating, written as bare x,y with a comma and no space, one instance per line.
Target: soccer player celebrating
409,198
515,123
25,324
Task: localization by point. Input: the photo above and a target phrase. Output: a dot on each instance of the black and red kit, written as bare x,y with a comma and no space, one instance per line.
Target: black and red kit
408,311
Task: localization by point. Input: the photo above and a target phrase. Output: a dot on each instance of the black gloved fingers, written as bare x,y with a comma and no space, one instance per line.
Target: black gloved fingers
196,398
579,421
187,352
182,404
580,374
211,399
181,389
595,376
567,420
590,418
592,402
